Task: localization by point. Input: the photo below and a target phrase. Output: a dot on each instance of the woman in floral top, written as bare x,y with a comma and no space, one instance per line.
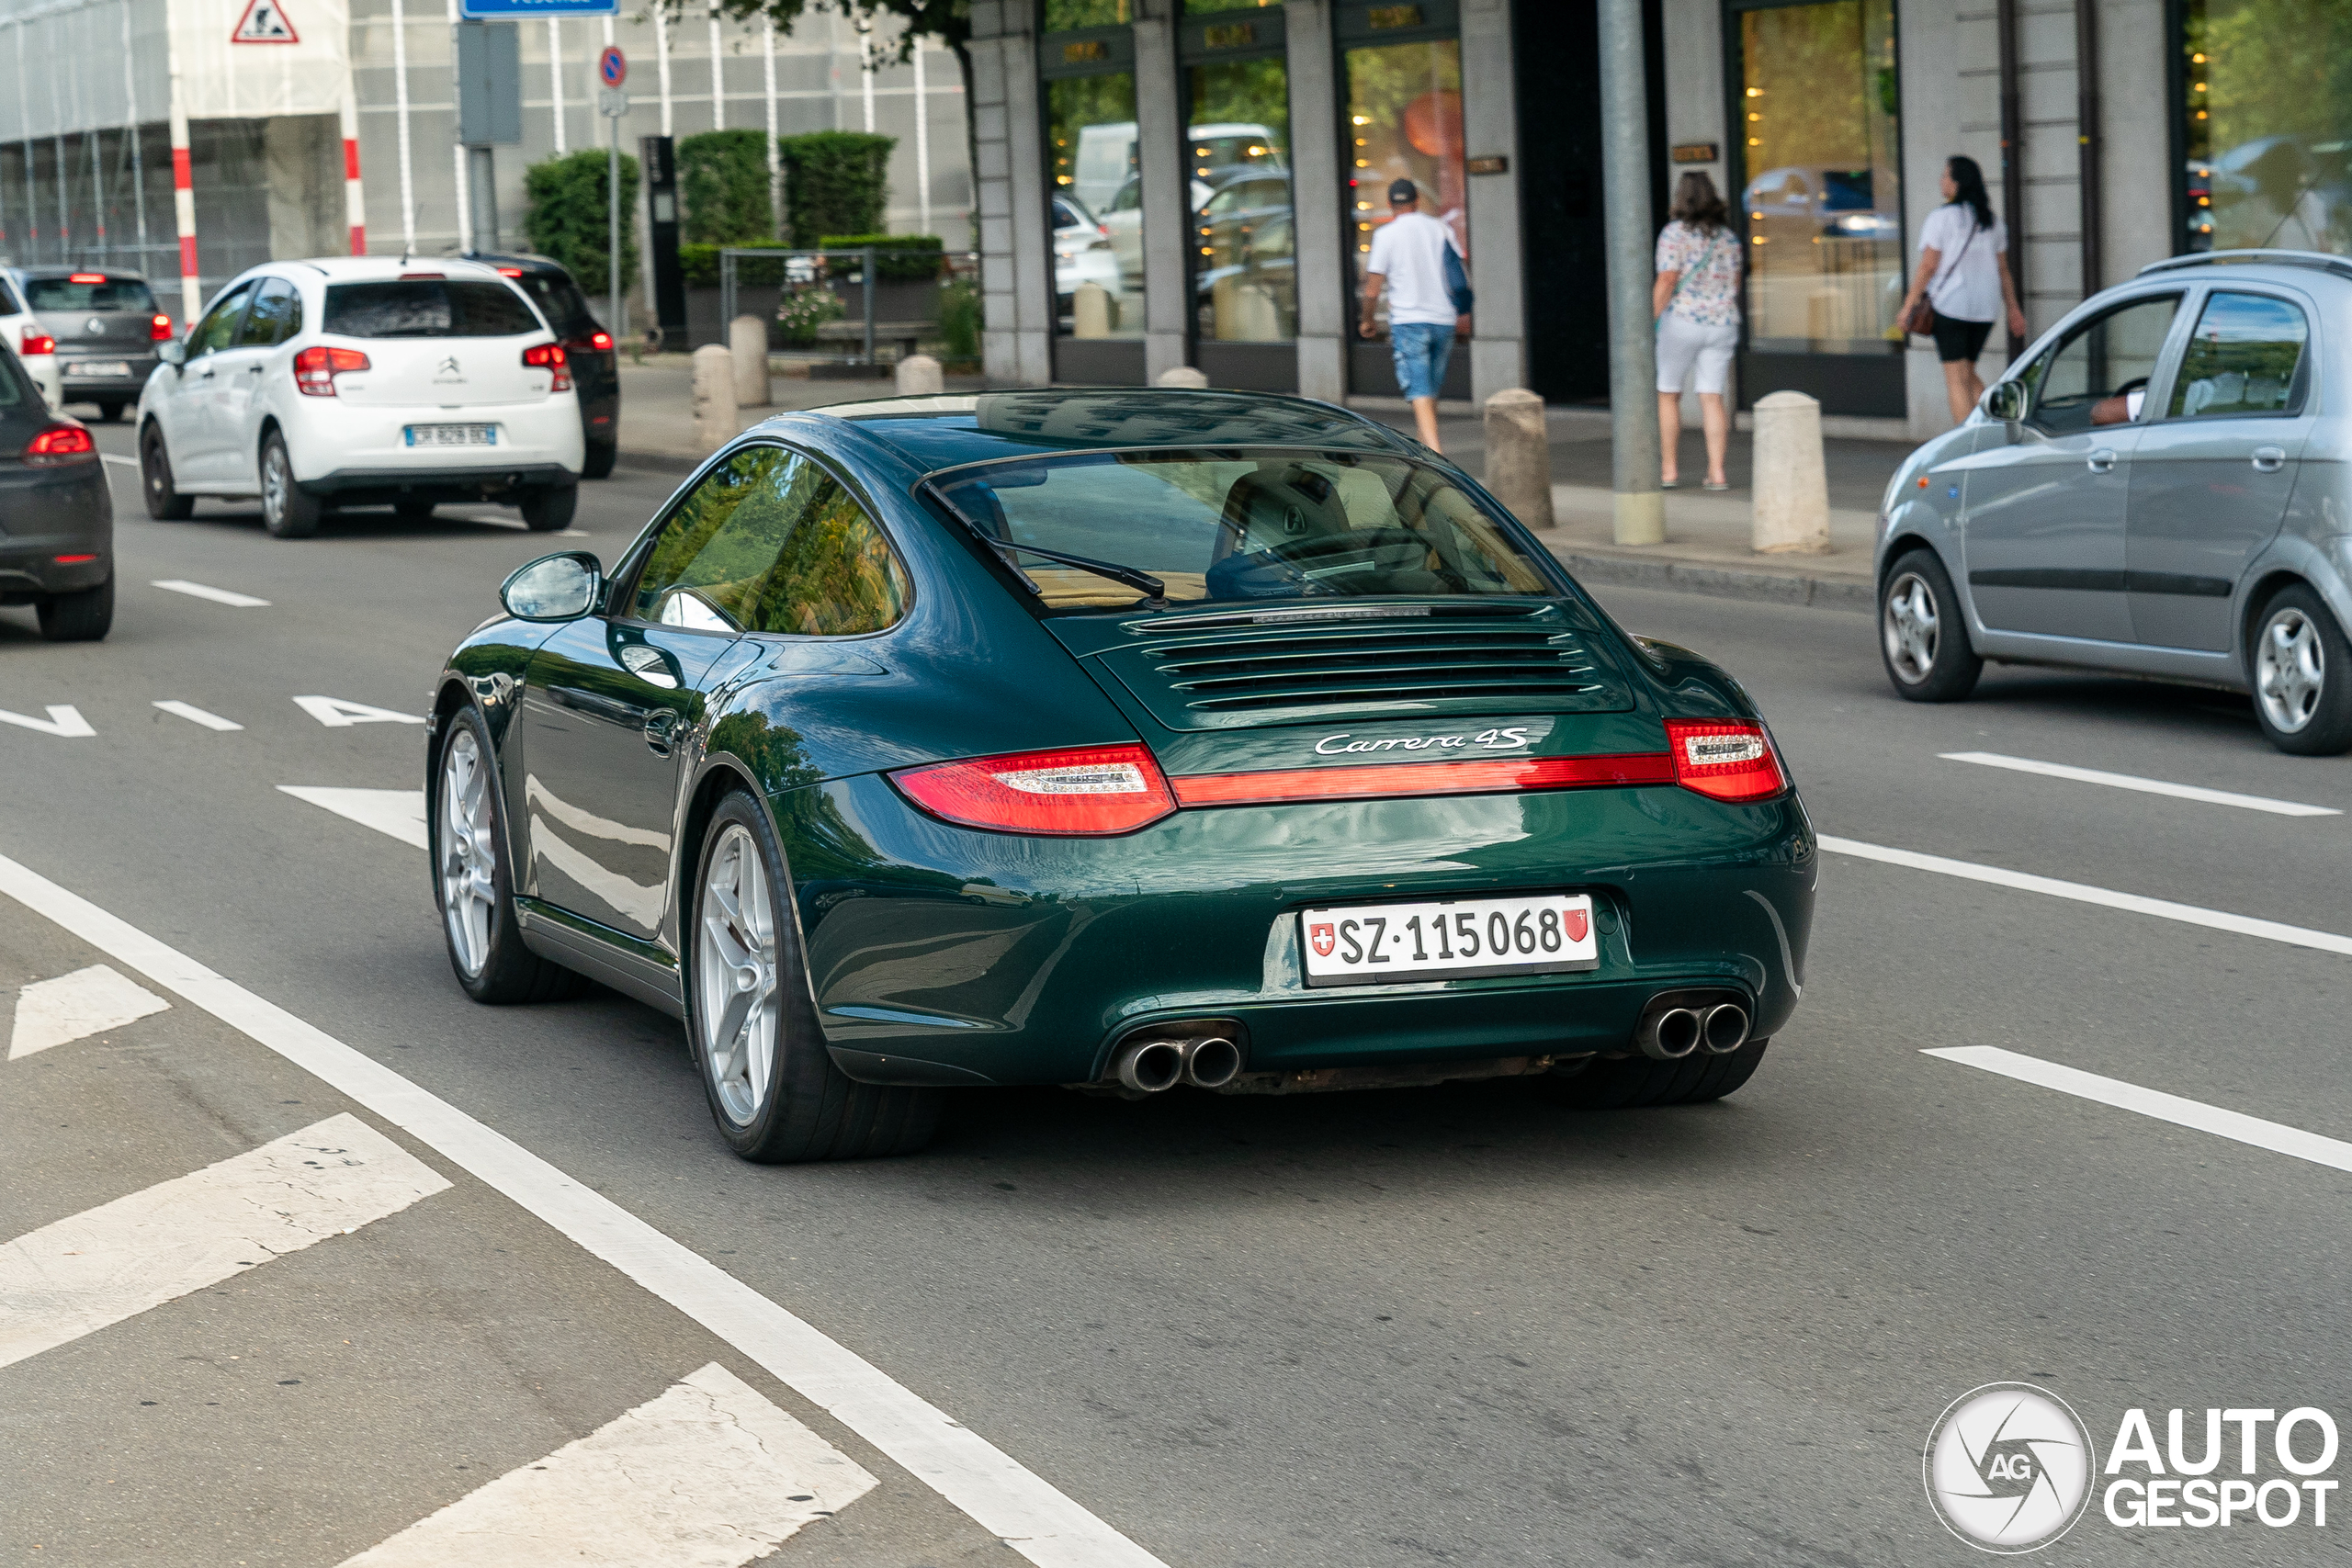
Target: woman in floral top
1696,301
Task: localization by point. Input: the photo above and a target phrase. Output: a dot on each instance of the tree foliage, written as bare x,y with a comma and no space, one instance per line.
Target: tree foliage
723,177
567,218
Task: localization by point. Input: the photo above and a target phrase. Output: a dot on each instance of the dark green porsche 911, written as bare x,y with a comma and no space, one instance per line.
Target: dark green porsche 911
1118,739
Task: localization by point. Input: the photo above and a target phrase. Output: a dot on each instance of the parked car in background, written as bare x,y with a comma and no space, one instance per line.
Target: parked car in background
2153,489
365,381
1123,221
107,326
24,336
1797,205
595,359
56,516
1081,252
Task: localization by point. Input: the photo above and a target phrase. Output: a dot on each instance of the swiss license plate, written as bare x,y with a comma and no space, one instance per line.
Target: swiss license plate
1448,939
113,369
453,435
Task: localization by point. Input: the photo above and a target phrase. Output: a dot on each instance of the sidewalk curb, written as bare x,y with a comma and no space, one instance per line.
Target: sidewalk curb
1720,581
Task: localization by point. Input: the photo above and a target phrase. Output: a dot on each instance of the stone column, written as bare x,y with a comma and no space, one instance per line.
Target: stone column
1490,130
1015,265
1317,181
1160,153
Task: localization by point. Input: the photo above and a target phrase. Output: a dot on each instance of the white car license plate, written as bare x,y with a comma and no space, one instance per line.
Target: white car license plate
1358,944
453,435
114,368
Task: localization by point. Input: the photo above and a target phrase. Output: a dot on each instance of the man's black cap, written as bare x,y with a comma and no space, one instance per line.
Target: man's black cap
1400,191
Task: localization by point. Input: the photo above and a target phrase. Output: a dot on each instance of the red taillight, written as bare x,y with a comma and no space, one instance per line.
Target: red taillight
87,278
38,342
602,343
316,368
411,277
73,560
1083,790
159,330
550,357
61,443
1725,761
1388,781
510,272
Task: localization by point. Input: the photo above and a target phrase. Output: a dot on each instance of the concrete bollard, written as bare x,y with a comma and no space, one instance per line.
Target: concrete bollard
1519,456
919,376
1183,376
1791,483
1091,313
747,337
716,421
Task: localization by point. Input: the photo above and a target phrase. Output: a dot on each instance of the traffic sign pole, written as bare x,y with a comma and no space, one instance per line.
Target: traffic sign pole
612,70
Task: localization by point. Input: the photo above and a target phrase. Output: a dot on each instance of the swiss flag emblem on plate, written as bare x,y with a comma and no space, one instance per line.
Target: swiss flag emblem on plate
1320,935
1577,922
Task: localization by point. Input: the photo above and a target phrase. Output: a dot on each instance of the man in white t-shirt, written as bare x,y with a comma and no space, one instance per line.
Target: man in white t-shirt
1408,255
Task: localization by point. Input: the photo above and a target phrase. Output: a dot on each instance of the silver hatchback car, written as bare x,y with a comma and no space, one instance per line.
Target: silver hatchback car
2161,486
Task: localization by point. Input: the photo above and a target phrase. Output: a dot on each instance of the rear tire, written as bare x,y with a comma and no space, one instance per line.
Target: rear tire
2301,667
285,511
164,502
773,1090
550,510
1922,636
85,616
1629,1083
602,456
466,825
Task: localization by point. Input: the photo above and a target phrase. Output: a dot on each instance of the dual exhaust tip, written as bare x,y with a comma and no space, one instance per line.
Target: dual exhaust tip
1147,1066
1670,1033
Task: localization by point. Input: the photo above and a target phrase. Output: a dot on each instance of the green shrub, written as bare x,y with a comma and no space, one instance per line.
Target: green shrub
723,180
898,268
699,264
566,218
960,318
835,182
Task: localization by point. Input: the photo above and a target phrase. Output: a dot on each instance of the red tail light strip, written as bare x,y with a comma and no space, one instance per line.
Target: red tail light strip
1401,779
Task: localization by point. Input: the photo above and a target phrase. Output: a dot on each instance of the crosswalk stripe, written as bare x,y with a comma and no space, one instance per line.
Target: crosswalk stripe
73,1007
709,1475
115,1261
397,812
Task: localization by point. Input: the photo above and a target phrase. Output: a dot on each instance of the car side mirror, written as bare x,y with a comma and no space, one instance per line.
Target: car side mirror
554,588
172,352
2005,401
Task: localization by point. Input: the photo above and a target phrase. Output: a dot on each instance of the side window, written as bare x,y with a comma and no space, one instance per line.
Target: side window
2244,358
769,542
2095,375
277,316
220,325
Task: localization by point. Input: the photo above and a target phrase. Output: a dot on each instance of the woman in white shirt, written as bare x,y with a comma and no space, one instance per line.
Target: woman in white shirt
1965,274
1696,303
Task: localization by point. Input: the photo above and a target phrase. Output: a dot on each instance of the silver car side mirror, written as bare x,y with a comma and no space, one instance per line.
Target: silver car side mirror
172,352
554,588
2005,401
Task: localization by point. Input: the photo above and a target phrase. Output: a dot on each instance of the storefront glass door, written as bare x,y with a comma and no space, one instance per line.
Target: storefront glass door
1404,121
2267,123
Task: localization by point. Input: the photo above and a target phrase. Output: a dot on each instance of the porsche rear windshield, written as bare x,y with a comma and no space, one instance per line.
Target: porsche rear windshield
1238,524
427,307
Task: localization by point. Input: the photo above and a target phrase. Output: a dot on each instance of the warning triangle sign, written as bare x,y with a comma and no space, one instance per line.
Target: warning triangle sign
263,22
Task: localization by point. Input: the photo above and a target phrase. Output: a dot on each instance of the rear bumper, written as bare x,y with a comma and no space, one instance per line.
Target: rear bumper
329,437
48,513
128,386
387,487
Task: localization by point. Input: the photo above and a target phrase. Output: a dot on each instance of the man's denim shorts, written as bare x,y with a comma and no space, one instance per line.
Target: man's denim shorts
1421,349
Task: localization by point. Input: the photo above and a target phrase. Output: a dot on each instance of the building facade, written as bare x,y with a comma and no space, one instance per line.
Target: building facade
328,127
1196,182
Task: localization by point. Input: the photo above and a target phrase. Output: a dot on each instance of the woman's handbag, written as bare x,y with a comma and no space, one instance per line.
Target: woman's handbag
1921,317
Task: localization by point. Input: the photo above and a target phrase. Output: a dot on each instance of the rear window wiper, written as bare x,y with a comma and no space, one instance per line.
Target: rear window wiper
1153,589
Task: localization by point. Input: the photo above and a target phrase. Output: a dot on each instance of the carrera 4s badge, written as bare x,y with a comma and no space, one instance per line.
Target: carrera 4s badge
1512,739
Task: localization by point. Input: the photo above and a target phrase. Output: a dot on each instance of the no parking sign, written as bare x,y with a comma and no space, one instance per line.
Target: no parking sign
612,66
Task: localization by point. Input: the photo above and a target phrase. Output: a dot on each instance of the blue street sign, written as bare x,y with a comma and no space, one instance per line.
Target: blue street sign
474,10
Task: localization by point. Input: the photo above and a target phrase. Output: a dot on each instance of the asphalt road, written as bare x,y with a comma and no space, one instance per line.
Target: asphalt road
1451,1325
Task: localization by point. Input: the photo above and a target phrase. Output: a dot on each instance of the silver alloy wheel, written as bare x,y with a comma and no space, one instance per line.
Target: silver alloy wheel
739,1010
275,483
1912,628
2291,671
469,852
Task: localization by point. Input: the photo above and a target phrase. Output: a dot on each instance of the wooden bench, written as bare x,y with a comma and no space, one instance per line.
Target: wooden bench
906,335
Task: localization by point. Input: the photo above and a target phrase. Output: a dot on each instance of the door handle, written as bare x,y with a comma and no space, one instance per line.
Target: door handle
2102,461
206,377
2269,460
659,724
254,369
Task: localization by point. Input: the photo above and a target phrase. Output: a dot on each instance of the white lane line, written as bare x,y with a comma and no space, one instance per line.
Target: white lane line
397,812
218,596
2083,893
116,1261
125,462
709,1475
2276,1136
64,721
337,714
195,714
73,1007
2147,786
1025,1511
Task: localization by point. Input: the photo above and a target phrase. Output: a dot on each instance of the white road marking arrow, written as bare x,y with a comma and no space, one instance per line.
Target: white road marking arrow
64,721
337,714
397,812
73,1007
203,590
195,714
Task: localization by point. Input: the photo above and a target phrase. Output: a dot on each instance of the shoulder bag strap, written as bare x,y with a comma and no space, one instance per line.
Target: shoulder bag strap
1683,282
1945,275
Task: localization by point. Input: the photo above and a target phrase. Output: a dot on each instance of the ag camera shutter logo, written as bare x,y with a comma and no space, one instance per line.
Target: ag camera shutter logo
2008,1467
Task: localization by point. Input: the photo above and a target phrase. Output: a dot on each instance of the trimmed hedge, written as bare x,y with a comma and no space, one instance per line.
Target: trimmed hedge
894,269
723,180
566,218
836,182
699,264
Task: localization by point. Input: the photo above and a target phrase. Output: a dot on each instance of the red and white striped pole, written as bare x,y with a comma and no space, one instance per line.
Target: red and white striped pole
355,204
184,207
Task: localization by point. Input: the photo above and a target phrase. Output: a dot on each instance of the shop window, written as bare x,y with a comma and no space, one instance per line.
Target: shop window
1099,219
2265,86
1822,202
1244,273
1066,15
1404,121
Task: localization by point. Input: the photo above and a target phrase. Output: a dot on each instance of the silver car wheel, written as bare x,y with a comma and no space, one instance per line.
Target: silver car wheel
274,483
1912,628
2289,670
736,958
469,852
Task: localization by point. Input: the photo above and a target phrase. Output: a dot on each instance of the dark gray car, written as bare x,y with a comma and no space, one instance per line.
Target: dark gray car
107,325
2158,487
56,518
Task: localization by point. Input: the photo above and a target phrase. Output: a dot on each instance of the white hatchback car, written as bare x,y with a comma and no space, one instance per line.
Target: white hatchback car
364,381
35,349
